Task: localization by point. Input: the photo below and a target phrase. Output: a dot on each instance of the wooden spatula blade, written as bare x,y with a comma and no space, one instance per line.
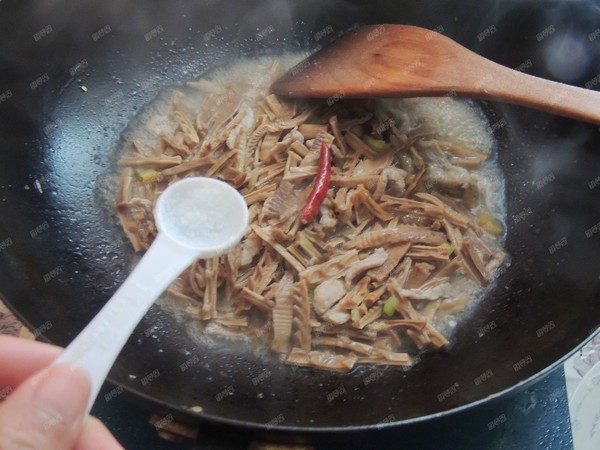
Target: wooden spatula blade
373,61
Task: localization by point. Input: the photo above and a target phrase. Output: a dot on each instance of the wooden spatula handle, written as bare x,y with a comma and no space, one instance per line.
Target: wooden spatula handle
502,83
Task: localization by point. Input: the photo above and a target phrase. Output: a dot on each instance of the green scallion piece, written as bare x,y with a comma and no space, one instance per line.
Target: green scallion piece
389,307
377,145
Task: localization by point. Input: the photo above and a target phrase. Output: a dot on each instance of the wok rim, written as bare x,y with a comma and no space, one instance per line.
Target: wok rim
199,418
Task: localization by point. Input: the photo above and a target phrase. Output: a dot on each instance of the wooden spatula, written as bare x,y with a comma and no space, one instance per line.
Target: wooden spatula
408,61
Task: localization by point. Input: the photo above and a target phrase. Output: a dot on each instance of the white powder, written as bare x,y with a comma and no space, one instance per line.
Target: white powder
205,216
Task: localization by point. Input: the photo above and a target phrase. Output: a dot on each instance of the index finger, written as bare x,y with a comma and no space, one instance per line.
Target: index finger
22,358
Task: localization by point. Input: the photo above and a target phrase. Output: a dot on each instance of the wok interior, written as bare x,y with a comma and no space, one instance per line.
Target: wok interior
67,256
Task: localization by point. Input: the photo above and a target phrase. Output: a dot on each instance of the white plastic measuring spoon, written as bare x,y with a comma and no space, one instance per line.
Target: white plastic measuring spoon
196,218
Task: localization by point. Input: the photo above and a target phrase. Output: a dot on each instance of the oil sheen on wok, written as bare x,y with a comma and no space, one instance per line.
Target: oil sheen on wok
407,240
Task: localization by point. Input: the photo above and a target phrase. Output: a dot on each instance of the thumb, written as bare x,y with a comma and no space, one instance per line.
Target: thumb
45,411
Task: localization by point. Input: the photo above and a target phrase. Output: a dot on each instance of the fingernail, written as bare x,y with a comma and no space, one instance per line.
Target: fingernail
62,393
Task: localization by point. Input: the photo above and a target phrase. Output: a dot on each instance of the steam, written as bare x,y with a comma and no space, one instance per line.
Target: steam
567,57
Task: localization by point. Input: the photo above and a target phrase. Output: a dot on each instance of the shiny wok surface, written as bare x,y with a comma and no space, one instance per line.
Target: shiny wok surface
62,256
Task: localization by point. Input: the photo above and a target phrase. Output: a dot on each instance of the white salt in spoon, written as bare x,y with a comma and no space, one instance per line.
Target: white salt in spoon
196,218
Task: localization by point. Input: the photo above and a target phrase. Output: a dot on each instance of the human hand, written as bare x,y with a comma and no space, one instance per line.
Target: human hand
44,406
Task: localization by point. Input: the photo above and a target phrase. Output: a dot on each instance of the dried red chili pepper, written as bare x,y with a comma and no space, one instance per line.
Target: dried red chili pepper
319,191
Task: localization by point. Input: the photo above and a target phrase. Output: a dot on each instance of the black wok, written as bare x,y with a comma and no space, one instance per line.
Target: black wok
72,74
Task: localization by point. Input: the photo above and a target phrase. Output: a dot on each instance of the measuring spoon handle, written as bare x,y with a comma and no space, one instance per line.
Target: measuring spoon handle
96,348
